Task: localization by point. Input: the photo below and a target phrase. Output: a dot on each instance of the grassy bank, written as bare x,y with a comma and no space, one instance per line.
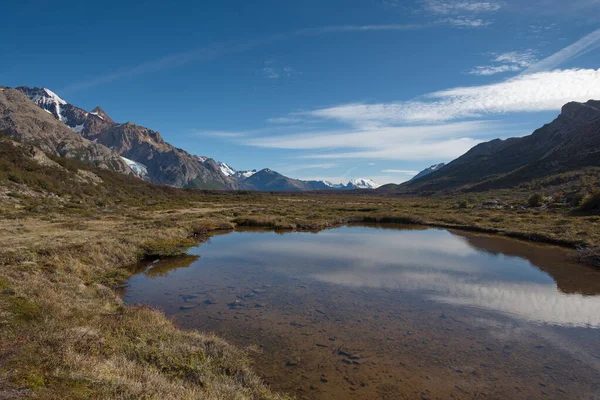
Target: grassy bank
64,332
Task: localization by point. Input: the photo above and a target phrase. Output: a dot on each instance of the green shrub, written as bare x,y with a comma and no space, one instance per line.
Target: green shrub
591,202
463,204
536,200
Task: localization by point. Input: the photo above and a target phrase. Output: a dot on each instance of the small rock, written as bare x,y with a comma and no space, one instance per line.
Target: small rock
184,308
209,301
291,363
234,305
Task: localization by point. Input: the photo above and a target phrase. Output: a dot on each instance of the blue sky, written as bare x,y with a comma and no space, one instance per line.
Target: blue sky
313,89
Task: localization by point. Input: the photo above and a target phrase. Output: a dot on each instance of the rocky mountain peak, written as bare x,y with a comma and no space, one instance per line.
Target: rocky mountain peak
581,113
100,113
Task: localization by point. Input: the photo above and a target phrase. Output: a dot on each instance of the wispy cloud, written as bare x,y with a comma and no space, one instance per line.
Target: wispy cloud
285,120
374,137
513,61
582,46
400,171
273,71
465,22
446,7
411,150
424,142
304,167
461,13
217,50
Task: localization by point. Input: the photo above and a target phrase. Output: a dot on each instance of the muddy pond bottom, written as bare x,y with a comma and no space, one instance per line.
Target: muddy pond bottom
391,312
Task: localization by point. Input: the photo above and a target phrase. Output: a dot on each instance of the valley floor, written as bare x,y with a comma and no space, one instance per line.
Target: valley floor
64,332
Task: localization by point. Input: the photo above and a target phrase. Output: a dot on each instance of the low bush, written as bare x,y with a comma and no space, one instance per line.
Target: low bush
591,203
536,200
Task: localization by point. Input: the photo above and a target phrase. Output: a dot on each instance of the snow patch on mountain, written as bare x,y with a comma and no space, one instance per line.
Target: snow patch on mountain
97,115
247,174
333,185
140,169
226,169
428,171
47,96
77,128
362,183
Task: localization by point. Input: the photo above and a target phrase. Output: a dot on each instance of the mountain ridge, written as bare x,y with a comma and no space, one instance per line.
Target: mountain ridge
160,162
571,141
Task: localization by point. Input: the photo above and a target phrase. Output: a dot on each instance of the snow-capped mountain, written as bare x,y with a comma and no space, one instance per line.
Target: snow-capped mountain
226,169
88,124
244,174
48,100
428,171
145,152
333,185
362,183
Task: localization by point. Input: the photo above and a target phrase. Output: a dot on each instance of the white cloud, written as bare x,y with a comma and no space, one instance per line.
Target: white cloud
303,167
543,91
465,22
400,171
446,7
411,150
513,61
582,46
374,137
284,120
487,70
273,71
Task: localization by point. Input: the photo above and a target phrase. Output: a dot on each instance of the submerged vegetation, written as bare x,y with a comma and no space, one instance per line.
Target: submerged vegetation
69,234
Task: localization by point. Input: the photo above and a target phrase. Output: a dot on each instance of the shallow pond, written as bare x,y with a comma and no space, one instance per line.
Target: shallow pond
391,312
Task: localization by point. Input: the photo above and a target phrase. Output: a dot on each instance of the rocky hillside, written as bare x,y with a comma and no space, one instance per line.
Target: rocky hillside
569,143
29,124
145,150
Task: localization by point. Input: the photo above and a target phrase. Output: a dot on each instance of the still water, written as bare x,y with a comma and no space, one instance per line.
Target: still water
391,312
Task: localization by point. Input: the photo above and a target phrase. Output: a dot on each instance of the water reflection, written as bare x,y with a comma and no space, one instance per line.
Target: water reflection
437,264
417,304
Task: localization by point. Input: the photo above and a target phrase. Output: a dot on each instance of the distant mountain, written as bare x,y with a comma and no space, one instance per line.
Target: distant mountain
569,143
41,127
267,179
427,171
362,183
142,149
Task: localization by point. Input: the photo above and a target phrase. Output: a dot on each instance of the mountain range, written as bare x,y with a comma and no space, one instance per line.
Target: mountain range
267,179
569,143
40,117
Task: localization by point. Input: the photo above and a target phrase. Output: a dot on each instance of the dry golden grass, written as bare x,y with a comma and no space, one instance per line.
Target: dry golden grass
65,333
